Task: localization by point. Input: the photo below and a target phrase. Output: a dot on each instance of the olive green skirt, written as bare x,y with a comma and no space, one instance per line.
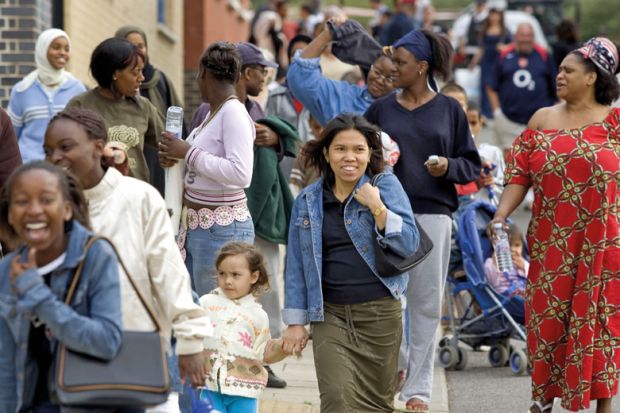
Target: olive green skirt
356,355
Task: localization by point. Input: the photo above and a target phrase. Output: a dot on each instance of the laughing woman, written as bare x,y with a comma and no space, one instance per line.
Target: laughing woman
130,118
44,214
42,93
134,216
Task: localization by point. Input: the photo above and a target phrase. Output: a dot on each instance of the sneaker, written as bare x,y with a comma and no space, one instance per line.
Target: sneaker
274,381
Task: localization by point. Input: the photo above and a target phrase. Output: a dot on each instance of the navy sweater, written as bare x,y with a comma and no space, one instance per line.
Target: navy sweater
439,127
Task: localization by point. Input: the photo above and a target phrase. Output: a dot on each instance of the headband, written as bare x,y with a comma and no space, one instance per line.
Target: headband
416,43
602,52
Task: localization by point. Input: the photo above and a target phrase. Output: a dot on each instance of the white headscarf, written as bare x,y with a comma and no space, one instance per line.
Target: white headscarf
46,74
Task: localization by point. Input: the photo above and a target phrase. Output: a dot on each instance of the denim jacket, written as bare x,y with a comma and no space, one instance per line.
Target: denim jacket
303,298
91,324
325,98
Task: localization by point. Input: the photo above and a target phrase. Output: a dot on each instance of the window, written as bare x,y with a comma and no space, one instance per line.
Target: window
162,12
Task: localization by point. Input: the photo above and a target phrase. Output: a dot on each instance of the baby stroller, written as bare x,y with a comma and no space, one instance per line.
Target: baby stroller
478,315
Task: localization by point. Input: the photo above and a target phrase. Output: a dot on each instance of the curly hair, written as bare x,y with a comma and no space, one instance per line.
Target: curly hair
70,188
606,87
255,261
222,60
314,151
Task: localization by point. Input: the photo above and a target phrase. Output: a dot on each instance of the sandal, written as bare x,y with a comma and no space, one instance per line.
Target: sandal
541,408
416,405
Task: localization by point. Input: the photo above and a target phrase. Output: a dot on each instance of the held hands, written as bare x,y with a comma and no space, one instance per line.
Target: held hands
437,169
265,136
192,365
171,149
18,267
294,339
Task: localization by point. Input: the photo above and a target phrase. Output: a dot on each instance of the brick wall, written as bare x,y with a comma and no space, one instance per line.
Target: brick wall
192,94
21,22
207,21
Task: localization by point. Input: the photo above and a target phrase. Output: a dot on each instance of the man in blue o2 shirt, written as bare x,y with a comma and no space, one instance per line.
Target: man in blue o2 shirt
523,82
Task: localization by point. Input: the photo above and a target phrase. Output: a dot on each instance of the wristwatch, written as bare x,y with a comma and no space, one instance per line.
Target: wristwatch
378,211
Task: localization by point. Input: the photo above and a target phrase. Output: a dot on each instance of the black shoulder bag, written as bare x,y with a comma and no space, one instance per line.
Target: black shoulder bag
390,264
136,377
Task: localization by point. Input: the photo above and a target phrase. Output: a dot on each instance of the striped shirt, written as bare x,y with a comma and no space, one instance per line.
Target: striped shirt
31,109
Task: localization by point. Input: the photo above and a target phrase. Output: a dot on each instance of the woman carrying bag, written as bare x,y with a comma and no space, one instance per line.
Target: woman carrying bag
332,281
44,213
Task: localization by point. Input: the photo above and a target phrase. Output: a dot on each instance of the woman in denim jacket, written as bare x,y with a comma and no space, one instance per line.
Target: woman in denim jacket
331,278
43,208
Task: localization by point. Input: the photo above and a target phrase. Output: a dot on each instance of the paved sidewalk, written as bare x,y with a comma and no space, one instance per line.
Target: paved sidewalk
302,393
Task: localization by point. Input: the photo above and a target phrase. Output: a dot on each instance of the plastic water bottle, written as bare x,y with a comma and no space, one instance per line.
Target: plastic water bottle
173,193
503,256
174,121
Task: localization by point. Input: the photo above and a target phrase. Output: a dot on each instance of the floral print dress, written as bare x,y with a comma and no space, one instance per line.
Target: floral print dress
573,291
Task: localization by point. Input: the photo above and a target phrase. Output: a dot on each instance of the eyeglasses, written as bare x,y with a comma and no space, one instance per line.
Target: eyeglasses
387,79
262,69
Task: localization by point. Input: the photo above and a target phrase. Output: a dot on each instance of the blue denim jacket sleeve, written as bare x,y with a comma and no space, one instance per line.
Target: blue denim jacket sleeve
325,98
8,381
295,310
400,233
100,333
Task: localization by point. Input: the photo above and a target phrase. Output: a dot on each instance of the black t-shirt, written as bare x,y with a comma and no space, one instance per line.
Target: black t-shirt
40,353
347,279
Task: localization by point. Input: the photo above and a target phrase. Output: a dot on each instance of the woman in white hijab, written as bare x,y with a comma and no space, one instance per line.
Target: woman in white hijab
42,93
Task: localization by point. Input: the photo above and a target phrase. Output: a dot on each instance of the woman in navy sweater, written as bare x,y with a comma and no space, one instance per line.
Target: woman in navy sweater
425,123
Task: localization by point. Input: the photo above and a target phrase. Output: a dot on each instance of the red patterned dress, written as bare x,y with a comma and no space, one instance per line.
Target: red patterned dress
573,292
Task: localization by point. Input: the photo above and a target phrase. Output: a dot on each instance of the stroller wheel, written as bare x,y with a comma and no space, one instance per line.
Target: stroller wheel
498,355
518,362
460,365
448,357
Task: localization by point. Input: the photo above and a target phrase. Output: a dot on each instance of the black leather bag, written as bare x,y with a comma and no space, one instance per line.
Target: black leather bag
136,377
390,264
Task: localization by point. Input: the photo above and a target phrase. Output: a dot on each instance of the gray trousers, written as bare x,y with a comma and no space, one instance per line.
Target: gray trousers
424,298
270,300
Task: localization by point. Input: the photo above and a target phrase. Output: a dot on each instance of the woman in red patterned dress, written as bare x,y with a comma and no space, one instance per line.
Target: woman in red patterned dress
570,156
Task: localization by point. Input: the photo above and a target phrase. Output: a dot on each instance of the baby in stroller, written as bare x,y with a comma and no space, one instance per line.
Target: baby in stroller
512,283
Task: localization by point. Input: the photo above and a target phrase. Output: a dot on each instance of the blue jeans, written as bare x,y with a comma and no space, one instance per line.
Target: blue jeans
202,246
230,404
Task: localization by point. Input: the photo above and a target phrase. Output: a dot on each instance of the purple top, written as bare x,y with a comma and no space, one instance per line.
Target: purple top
502,283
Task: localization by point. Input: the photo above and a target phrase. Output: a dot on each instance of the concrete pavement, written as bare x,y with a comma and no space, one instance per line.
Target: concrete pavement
302,393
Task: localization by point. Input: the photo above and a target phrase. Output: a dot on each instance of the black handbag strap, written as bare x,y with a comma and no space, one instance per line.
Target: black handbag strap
375,178
78,274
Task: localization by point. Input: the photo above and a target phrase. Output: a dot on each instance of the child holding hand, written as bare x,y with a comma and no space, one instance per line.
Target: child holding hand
241,344
513,282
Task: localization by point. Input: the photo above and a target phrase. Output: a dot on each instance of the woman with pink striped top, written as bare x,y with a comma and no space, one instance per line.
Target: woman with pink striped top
219,156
